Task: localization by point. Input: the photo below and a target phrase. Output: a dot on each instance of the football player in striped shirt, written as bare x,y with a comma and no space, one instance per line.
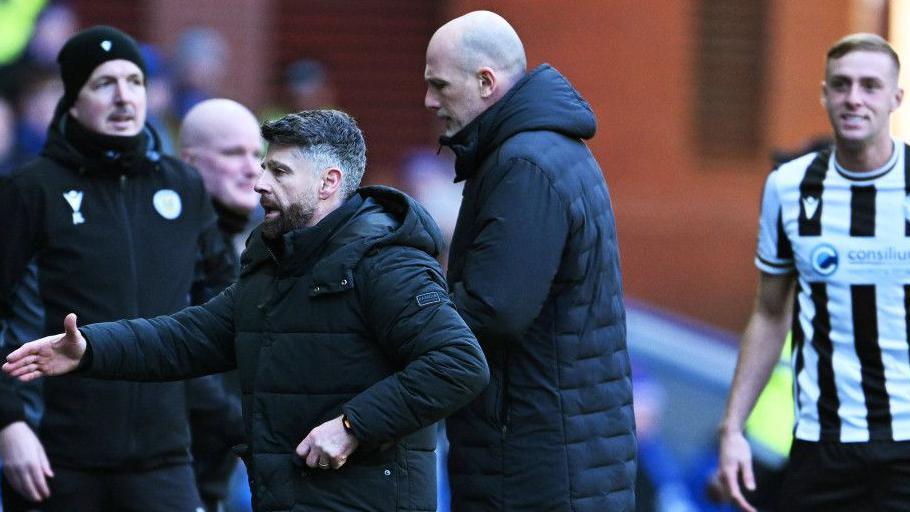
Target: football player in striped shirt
834,257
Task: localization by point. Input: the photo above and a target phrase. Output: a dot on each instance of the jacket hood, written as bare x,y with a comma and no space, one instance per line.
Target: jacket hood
374,217
415,226
60,149
542,100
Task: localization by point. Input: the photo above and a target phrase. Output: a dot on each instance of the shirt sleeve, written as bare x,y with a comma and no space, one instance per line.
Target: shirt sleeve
774,254
11,408
25,323
21,206
21,234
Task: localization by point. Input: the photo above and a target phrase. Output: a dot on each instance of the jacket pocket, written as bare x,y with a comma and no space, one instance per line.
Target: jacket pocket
353,487
493,405
503,401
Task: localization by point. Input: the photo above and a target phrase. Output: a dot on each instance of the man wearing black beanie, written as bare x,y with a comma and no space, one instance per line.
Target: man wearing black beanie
89,49
102,209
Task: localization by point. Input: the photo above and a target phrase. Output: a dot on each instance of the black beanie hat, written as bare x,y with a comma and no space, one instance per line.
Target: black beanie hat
89,49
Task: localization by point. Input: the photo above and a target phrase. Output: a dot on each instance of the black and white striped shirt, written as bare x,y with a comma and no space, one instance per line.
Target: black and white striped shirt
847,236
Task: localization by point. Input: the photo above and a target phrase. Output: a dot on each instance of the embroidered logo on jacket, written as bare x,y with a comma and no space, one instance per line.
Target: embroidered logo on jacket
167,203
74,199
425,299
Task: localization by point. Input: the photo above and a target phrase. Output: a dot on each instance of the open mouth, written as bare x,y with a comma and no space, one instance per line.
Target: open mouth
271,211
122,122
122,117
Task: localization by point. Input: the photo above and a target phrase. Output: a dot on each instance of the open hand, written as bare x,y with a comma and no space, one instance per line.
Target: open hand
51,355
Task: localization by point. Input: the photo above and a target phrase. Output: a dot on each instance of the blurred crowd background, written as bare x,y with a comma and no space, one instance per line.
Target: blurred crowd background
695,100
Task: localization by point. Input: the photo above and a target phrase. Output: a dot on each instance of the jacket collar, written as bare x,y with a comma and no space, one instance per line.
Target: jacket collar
297,248
542,100
61,148
468,144
373,217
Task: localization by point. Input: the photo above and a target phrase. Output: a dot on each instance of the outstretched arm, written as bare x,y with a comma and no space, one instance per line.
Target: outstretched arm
194,341
759,351
51,355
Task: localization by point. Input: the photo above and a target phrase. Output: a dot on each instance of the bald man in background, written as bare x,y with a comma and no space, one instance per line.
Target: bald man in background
534,271
221,139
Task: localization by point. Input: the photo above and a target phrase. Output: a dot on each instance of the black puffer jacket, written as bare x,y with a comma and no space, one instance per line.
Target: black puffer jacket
534,271
351,316
112,238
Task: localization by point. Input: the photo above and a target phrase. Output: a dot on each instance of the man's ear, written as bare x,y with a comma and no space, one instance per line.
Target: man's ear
486,78
331,183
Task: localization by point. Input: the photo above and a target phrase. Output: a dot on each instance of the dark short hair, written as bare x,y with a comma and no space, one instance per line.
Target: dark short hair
862,41
329,137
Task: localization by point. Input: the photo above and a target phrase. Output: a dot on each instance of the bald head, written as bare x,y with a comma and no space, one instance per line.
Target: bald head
210,118
221,138
472,62
484,39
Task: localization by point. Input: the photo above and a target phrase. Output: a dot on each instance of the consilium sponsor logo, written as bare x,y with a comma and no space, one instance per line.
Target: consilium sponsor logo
883,256
824,259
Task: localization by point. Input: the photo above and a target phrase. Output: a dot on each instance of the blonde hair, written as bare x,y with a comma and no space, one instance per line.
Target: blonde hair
862,41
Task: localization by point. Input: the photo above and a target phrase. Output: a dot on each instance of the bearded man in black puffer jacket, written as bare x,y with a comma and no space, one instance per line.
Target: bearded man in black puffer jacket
347,345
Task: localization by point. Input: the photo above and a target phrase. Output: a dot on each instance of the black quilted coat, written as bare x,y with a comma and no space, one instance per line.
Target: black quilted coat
534,271
351,315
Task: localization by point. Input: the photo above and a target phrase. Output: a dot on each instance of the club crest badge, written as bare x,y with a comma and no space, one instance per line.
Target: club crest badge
74,199
167,203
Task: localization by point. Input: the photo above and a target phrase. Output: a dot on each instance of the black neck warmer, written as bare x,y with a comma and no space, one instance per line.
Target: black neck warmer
109,153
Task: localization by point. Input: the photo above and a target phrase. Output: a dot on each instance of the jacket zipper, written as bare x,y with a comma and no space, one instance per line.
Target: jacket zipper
503,394
128,229
128,232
